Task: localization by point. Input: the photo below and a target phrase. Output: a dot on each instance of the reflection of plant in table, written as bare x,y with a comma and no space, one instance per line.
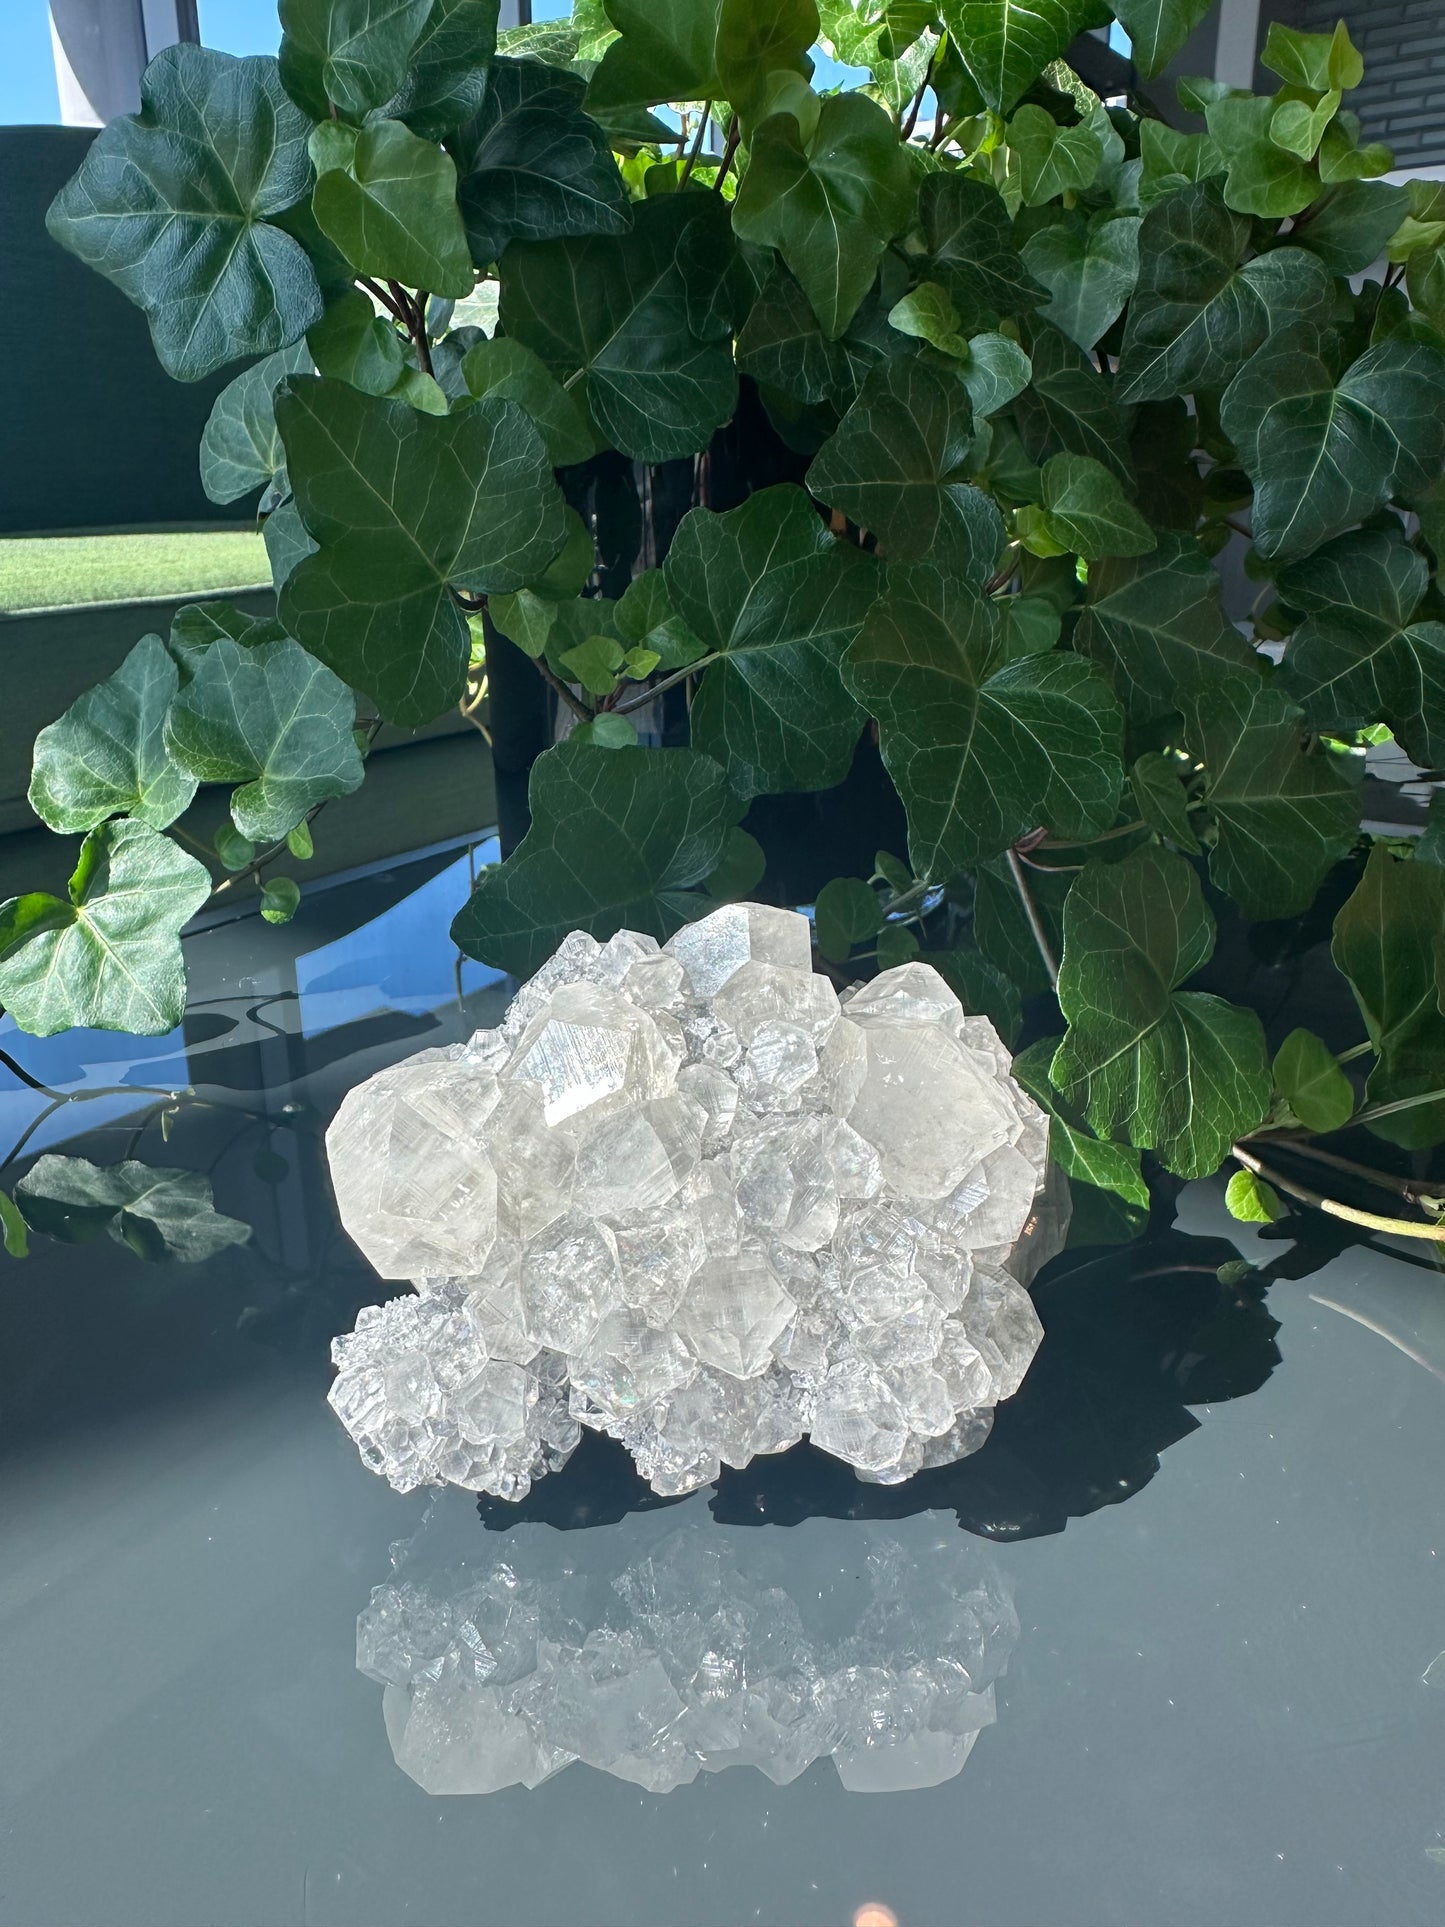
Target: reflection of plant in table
913,415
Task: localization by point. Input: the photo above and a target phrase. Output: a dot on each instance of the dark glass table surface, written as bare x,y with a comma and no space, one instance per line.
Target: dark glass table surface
1216,1507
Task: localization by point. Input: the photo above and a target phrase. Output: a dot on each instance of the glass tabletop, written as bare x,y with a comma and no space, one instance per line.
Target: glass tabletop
1169,1648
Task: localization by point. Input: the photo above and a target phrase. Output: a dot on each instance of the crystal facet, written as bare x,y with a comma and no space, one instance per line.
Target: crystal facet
690,1196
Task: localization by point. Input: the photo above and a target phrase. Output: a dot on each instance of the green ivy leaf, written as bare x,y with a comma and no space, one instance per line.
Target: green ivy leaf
287,542
388,200
273,720
619,839
1170,160
893,39
1089,269
829,205
352,342
896,945
1324,454
778,598
1252,1200
110,956
847,912
1160,799
1344,681
606,731
174,205
1002,929
637,324
1156,626
299,840
981,987
403,506
12,1225
927,314
996,371
1315,61
280,899
350,54
511,372
1197,315
1179,1072
1284,812
1309,1079
1068,407
233,850
532,165
1028,625
1370,581
1351,227
1260,177
740,872
159,1213
240,448
980,749
1082,1157
1387,943
595,662
648,618
684,50
1085,512
896,465
1051,160
106,756
448,67
1157,29
1006,44
972,251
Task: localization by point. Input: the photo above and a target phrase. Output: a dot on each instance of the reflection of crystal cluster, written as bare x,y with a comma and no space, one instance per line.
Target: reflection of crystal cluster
691,1197
714,1649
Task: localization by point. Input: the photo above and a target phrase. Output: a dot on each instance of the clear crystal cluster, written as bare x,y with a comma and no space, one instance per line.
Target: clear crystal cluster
694,1657
693,1197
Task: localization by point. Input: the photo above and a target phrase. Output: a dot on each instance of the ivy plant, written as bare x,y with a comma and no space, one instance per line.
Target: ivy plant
1049,484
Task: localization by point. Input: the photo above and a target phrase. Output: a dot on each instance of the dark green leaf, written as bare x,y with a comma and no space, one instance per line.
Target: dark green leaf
634,324
619,839
1178,1072
1156,626
1157,29
647,617
1370,581
447,72
240,449
12,1224
403,507
1284,810
388,200
778,598
1197,315
972,250
673,50
110,956
351,54
896,945
532,165
173,205
280,899
1350,229
287,542
160,1214
196,626
1082,1157
1309,1079
740,871
273,720
980,749
828,205
1345,679
1006,44
106,756
1003,930
233,850
1068,407
981,987
847,913
896,466
352,342
1170,160
1089,270
1323,454
1387,943
1159,796
511,372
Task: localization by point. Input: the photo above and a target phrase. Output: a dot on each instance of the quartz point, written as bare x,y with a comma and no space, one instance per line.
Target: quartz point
692,1196
689,1649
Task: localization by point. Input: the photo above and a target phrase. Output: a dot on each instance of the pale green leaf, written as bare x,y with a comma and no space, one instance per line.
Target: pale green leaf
106,756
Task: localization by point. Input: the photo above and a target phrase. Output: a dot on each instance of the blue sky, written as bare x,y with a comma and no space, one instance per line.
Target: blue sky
27,68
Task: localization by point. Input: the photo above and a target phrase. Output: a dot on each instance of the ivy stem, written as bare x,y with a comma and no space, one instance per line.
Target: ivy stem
1035,921
730,148
375,288
1370,1220
668,682
692,153
1372,1111
573,701
1408,1188
1355,1050
923,86
411,311
1088,842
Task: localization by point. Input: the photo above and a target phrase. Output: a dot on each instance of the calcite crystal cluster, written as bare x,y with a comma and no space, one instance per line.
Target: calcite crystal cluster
693,1197
710,1649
